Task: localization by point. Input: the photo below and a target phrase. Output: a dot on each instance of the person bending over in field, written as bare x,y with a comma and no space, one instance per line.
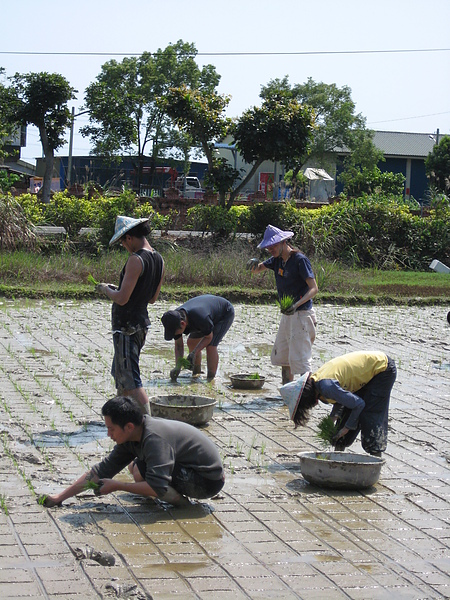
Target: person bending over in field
358,385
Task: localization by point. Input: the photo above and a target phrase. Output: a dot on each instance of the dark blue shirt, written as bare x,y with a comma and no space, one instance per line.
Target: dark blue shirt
291,276
203,313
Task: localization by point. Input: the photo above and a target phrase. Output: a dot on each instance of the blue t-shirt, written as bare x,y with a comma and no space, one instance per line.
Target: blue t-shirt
204,313
291,276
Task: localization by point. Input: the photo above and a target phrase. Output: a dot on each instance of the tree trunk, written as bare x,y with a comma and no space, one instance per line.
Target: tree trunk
49,155
236,191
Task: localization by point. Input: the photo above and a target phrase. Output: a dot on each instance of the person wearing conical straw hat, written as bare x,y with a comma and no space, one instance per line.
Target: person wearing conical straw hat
358,385
139,285
294,278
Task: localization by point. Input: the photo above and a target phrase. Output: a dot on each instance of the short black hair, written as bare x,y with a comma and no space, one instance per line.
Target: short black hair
307,401
122,410
141,230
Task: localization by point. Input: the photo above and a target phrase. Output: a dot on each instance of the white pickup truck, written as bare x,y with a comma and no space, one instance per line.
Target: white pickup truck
191,188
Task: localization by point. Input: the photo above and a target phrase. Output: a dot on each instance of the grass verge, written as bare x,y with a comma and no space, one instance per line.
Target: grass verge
220,271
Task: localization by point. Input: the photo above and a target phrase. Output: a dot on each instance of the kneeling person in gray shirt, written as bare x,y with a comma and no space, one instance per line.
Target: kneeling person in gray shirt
169,460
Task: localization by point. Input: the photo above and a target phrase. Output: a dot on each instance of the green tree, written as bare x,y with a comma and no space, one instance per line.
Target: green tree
278,130
7,104
366,180
337,125
201,117
124,112
437,165
41,100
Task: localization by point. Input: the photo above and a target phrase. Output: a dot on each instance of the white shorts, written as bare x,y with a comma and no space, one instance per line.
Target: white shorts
293,344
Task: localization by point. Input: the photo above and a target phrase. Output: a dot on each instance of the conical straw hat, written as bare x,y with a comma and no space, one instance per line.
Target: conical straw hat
124,224
292,392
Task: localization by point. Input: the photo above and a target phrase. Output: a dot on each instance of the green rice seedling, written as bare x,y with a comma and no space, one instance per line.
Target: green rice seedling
254,376
327,430
91,485
183,363
3,504
41,500
322,457
92,280
285,302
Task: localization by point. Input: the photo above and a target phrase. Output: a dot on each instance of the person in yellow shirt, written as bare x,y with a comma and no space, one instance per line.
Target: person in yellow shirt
358,385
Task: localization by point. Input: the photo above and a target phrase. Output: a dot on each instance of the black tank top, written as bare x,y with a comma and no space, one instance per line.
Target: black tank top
134,315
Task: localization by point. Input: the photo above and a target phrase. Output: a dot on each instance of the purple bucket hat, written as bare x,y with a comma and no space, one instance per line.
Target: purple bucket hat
273,235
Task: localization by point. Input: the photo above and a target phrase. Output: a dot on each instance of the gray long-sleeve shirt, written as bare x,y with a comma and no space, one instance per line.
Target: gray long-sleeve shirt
164,443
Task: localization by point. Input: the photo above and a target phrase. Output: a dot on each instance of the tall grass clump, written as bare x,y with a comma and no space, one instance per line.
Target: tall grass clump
15,229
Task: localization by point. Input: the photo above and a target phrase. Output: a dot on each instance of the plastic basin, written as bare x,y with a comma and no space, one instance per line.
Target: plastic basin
195,410
340,470
245,381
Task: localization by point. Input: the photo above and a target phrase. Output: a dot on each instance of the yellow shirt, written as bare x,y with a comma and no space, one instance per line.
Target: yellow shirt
353,371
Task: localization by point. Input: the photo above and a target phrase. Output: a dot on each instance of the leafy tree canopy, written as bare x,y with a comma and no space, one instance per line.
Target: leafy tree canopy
199,114
41,99
278,130
437,165
8,102
336,122
124,109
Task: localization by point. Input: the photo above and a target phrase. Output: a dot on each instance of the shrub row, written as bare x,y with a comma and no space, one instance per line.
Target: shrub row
371,231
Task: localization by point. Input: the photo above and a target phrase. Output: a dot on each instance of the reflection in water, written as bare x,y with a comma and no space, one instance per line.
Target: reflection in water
90,432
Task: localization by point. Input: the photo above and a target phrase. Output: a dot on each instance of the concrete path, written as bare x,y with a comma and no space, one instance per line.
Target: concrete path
269,534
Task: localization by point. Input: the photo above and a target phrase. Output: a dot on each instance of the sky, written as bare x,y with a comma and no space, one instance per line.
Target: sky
347,42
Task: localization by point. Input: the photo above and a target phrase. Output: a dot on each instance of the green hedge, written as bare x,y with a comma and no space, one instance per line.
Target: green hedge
370,231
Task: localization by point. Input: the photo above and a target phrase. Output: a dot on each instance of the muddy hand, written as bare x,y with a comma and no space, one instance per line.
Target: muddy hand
289,311
47,501
98,490
340,434
252,264
101,288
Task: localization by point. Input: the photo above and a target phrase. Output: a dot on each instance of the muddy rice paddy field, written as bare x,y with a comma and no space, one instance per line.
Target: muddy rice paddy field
269,534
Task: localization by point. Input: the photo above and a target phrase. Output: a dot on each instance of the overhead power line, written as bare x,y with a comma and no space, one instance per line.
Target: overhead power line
408,118
300,53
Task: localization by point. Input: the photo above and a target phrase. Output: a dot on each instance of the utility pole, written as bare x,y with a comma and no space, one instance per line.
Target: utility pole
69,163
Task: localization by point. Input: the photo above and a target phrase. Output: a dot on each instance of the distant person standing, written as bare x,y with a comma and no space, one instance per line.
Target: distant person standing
205,320
139,285
294,278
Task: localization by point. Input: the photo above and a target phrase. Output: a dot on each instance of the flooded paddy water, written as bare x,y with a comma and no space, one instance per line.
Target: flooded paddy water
269,534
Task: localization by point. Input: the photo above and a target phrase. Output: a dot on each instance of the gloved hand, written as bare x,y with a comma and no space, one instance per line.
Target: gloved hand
102,287
252,264
174,374
191,358
289,311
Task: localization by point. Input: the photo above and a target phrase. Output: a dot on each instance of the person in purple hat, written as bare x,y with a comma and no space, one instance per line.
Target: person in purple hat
139,285
294,278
